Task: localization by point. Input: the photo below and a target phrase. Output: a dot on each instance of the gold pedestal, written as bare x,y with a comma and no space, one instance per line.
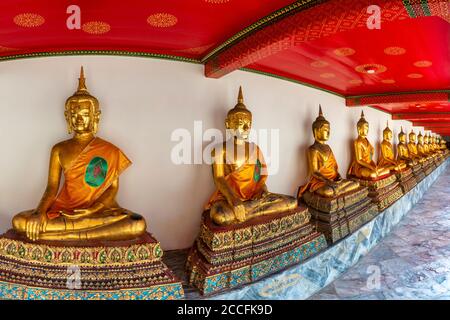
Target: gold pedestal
96,270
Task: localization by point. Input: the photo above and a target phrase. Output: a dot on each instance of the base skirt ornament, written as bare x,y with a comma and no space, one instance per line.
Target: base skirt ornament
406,180
340,216
223,258
384,191
97,270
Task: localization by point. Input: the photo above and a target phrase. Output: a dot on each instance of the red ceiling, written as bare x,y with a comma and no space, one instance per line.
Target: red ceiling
296,40
316,62
188,28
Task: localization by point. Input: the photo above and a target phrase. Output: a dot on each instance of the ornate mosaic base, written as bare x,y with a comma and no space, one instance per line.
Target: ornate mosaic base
213,280
261,249
304,279
332,205
406,180
257,230
408,184
12,291
114,270
376,184
338,225
419,174
386,200
145,249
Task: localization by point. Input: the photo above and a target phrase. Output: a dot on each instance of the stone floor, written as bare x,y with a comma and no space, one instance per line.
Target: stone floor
412,262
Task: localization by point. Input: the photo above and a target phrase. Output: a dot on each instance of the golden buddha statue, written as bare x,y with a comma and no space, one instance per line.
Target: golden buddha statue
402,150
443,144
239,173
387,157
420,147
426,145
436,145
324,179
412,148
362,165
85,208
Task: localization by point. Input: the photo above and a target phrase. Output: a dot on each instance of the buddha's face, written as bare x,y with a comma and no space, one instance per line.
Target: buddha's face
239,124
363,130
81,117
412,138
420,139
402,138
387,136
425,140
322,133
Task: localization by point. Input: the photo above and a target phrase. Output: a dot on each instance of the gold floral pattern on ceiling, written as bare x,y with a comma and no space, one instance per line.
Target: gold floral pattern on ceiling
415,76
423,64
96,27
394,51
319,64
162,20
371,68
344,52
29,20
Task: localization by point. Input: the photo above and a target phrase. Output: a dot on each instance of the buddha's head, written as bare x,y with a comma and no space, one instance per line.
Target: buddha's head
402,136
425,139
412,137
420,138
82,110
387,133
362,126
321,127
239,119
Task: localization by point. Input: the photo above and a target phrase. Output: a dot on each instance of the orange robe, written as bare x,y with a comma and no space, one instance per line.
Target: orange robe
328,169
247,180
89,176
366,150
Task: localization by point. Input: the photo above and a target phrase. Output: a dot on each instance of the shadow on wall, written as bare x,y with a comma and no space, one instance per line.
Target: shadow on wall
302,167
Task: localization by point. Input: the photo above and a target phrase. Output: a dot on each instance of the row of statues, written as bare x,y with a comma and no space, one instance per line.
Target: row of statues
86,208
247,232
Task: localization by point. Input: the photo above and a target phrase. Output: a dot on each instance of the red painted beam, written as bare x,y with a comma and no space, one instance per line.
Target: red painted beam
302,21
407,98
423,116
431,124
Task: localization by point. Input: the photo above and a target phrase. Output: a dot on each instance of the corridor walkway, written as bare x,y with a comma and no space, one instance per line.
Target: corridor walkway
412,262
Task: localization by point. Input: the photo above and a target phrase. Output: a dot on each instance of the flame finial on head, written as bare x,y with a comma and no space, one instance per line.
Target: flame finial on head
240,107
362,120
387,129
320,120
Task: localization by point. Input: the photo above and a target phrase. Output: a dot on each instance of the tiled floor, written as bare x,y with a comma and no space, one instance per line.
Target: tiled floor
412,262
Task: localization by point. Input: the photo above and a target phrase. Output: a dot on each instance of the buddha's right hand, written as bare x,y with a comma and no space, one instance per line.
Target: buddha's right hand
239,212
36,223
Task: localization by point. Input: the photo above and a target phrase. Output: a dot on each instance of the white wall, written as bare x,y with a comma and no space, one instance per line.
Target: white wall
142,102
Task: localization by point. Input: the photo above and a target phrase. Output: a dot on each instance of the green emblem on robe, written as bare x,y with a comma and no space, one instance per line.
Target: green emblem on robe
257,173
96,172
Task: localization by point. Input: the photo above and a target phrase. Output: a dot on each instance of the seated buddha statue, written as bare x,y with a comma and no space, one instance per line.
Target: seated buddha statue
85,208
412,148
402,150
436,145
324,178
387,157
443,145
421,148
362,165
240,174
427,146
